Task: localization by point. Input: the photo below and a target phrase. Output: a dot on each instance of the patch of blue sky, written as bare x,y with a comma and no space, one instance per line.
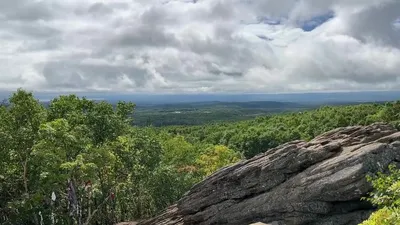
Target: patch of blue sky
263,20
316,21
396,24
307,25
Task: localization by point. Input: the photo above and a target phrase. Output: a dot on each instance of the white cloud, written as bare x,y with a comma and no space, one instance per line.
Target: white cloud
200,45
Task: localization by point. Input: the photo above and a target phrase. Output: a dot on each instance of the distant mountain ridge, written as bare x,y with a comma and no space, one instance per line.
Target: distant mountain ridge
318,98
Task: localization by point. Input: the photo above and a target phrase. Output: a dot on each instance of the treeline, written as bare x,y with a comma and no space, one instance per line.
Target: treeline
78,161
81,162
258,135
185,114
156,119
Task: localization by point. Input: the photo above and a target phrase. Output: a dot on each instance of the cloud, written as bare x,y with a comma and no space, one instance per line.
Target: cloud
26,11
200,45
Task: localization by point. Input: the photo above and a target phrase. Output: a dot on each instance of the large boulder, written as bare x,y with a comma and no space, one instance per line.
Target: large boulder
316,183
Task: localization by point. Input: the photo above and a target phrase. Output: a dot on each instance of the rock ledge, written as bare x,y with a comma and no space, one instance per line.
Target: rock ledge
316,183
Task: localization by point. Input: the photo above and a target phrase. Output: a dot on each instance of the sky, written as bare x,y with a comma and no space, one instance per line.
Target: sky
199,46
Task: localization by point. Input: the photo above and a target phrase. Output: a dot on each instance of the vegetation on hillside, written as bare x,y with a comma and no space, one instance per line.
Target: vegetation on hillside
81,162
210,112
386,196
255,136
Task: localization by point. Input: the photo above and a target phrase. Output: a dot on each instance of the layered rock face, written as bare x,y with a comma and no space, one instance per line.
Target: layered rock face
315,183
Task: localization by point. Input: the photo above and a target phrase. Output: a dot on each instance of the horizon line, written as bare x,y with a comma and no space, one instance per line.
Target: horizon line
202,93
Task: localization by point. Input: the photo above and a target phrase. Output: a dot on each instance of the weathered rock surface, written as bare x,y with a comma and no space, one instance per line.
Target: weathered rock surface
317,183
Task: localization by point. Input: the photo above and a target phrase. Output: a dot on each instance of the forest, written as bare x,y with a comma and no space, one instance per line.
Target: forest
200,113
82,162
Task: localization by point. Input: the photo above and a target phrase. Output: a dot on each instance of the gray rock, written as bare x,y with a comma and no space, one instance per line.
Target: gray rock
317,183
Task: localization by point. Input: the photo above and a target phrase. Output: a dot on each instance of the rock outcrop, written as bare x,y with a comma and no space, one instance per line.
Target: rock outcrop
316,183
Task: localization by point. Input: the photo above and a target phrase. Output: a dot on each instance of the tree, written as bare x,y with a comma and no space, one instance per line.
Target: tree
215,158
20,122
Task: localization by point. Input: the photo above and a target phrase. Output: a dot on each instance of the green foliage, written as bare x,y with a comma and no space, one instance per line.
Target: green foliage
20,123
215,158
256,136
386,196
384,216
200,113
86,153
103,170
386,188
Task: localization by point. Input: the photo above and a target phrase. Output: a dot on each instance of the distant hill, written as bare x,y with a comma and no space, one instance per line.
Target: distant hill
303,98
198,113
206,112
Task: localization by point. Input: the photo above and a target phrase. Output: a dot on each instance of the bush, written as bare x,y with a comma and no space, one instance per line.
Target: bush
384,216
386,196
